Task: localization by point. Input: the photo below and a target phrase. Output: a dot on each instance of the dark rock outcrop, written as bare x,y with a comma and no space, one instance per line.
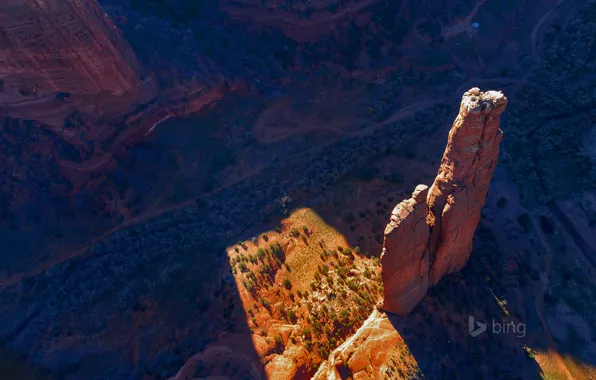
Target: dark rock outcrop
430,235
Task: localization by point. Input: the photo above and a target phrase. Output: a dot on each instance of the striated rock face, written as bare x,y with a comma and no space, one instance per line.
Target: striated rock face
459,192
430,235
67,46
405,276
73,85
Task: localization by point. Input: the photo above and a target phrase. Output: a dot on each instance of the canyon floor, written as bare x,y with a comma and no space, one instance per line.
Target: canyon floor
243,240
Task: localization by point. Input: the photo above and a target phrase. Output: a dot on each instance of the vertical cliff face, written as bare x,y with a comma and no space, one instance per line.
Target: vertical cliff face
408,234
430,235
459,191
67,46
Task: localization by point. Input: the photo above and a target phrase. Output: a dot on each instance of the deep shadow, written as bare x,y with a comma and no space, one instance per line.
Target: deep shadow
437,332
157,294
148,297
13,367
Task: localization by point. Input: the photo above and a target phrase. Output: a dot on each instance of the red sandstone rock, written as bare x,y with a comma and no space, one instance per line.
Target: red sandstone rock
459,192
429,236
63,46
405,274
364,353
281,368
63,62
427,239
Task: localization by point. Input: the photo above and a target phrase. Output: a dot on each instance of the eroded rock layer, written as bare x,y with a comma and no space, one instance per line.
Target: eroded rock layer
67,46
72,84
430,235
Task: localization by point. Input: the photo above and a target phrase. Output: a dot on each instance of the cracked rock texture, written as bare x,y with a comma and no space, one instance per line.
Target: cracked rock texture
364,353
430,235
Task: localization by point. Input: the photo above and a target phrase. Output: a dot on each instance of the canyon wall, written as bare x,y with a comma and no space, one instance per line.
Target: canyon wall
430,235
74,84
68,46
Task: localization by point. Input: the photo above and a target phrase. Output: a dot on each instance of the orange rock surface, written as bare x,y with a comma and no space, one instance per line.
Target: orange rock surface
431,236
364,353
405,275
459,192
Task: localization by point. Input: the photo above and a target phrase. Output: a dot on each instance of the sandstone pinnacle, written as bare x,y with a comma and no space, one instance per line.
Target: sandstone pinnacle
430,234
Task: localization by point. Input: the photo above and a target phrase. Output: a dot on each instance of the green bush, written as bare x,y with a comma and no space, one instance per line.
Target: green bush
287,284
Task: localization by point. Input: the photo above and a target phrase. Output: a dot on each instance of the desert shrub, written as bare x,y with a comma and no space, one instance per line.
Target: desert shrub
352,284
324,269
367,273
261,254
292,316
306,332
276,249
249,285
277,339
265,303
287,284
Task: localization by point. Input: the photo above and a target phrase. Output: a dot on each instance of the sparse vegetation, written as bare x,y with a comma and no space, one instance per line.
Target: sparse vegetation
331,305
